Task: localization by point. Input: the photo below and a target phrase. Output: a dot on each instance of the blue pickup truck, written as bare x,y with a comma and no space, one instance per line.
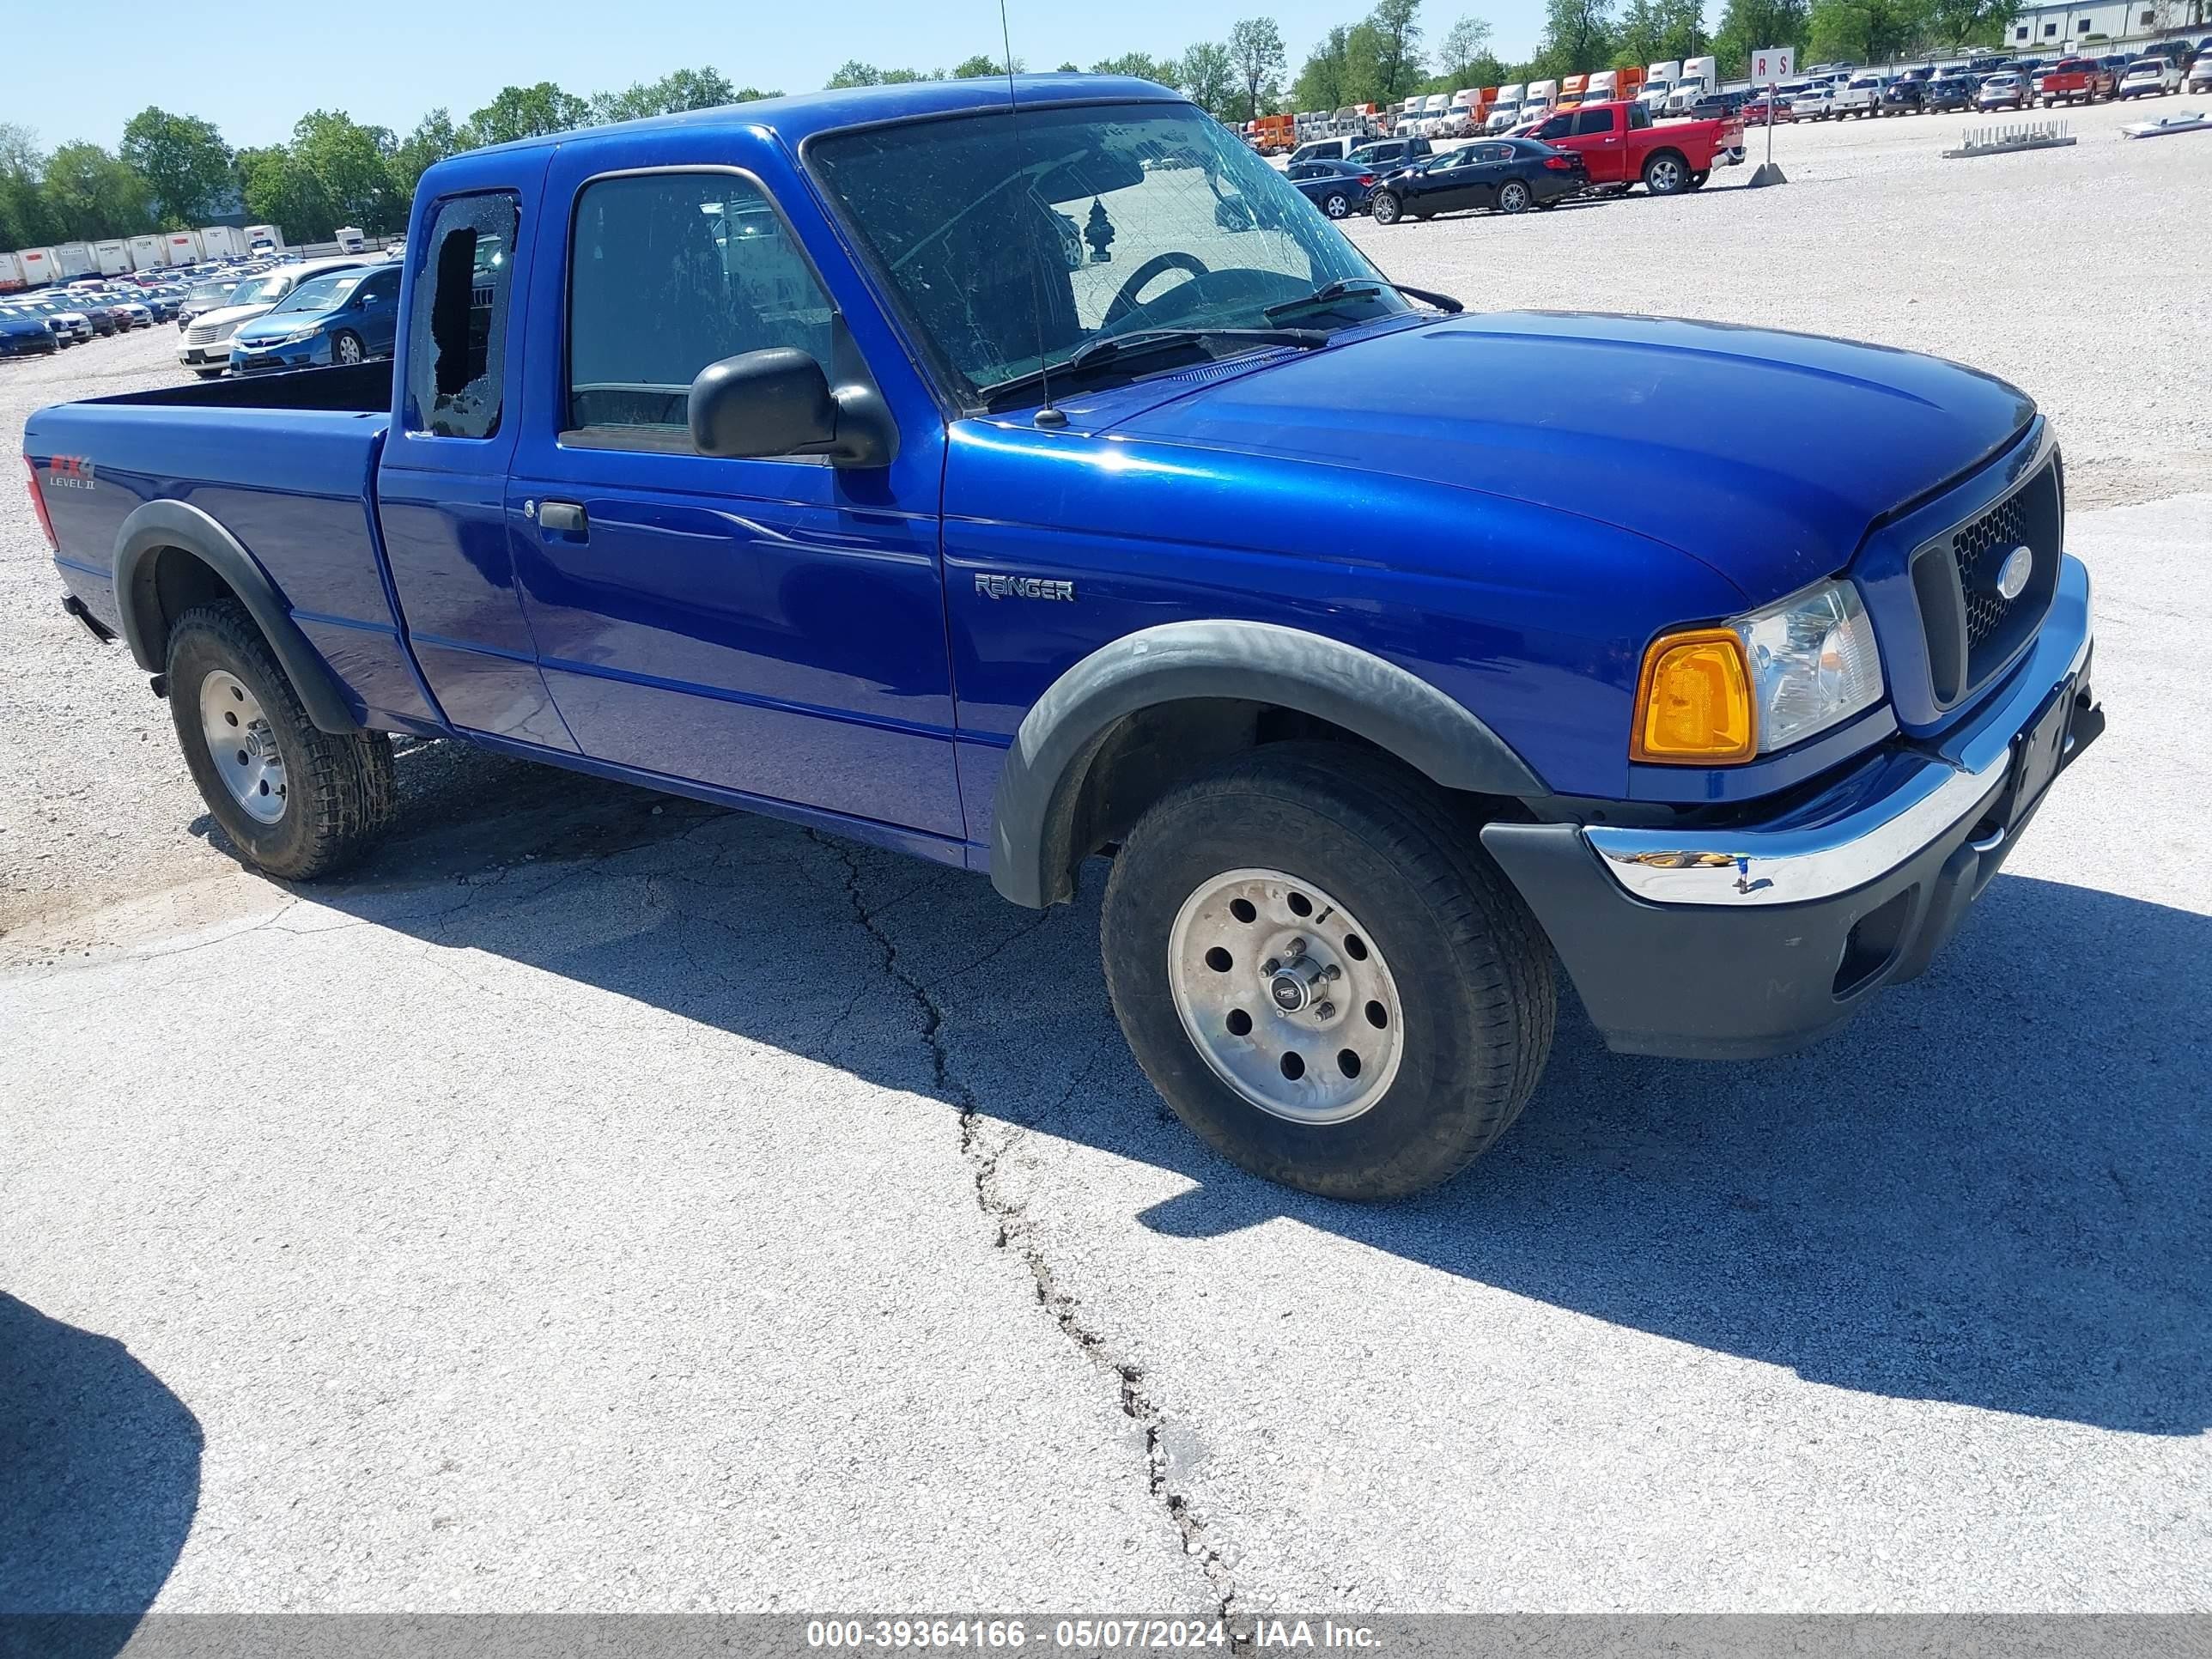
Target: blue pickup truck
1010,473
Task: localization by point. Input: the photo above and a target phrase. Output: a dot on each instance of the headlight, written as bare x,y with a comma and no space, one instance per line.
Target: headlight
1757,683
301,336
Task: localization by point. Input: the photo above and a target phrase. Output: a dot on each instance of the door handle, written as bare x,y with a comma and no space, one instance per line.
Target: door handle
567,516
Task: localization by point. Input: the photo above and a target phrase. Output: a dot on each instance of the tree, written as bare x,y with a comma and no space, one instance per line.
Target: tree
1749,25
183,159
90,195
1577,37
1325,82
1653,31
23,221
1143,66
1390,39
1977,22
1256,48
434,139
982,66
679,89
1068,69
1209,78
526,113
1864,31
854,73
1466,42
348,168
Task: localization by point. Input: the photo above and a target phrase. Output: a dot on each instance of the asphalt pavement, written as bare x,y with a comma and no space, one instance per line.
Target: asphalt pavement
609,1203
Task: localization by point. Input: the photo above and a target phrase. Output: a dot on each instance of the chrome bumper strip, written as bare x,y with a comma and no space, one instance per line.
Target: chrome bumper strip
1809,856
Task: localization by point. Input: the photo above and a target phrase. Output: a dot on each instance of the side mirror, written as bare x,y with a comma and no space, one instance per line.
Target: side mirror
778,401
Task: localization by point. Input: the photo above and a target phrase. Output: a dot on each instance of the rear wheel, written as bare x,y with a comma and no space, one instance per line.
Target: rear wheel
1336,204
1665,175
298,802
1323,973
1513,196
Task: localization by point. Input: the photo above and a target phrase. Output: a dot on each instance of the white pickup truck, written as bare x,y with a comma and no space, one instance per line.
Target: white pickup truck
1860,95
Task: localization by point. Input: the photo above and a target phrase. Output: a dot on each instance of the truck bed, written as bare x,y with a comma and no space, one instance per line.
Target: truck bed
286,463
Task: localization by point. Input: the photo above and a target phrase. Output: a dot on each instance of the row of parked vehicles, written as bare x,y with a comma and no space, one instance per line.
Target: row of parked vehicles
1539,164
42,321
1839,92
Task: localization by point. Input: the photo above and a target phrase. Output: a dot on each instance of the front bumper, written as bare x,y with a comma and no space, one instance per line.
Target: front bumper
1758,938
270,359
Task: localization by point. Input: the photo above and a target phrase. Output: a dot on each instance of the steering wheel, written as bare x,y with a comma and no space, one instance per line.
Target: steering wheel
1174,260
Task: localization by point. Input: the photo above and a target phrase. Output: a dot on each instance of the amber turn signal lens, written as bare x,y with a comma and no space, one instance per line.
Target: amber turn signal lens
1693,701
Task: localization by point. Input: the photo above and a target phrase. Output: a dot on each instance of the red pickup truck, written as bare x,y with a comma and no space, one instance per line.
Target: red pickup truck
2075,81
1620,146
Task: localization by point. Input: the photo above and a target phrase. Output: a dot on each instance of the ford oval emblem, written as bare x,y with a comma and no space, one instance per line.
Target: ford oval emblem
2012,577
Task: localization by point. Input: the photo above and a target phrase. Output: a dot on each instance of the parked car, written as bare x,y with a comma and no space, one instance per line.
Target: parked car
2006,89
346,316
1575,713
1509,175
1814,101
1950,92
2075,81
72,326
1861,95
2148,76
2199,78
206,296
1712,107
130,311
23,334
204,348
1339,189
1904,97
1621,146
1381,155
1764,109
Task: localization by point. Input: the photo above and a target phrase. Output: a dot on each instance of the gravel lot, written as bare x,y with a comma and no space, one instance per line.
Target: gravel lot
604,1202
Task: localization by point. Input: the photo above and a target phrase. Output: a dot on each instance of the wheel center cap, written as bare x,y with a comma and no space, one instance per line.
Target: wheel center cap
1289,992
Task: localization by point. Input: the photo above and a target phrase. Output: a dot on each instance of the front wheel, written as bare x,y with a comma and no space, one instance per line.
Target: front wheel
346,347
1323,975
1387,207
1513,196
296,801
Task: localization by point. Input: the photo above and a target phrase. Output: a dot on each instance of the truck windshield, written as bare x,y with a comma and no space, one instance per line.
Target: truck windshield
1014,241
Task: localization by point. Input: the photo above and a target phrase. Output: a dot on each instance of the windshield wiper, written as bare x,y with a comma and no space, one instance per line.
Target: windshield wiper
1109,349
1343,288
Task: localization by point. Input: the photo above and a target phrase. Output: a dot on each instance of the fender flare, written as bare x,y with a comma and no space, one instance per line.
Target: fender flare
1032,855
160,525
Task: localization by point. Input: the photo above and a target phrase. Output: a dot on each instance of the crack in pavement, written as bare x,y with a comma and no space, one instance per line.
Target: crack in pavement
1012,1233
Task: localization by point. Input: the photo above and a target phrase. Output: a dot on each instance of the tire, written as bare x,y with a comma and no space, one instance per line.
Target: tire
346,348
1386,207
1513,196
1697,178
1449,1069
208,373
1664,174
1338,205
326,799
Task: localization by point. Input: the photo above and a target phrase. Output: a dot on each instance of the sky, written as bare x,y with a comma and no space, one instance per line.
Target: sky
254,70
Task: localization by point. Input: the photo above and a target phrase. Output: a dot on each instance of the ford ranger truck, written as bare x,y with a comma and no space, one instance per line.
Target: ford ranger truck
992,474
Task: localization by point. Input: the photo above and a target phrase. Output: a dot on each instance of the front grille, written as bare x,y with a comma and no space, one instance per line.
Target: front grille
1980,550
1973,630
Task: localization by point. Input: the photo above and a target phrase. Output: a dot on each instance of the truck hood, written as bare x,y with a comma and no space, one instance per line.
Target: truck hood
1766,455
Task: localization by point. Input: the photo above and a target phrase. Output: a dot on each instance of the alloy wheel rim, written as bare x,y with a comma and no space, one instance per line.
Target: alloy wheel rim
1667,175
1338,207
243,746
1286,997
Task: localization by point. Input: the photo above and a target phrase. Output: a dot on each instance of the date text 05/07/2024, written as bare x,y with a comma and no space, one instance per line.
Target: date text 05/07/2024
1128,1634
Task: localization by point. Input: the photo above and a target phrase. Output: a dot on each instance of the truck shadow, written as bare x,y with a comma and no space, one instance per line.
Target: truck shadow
99,1477
1994,1189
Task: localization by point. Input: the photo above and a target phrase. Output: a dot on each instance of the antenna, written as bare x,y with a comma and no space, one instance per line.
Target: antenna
1046,416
